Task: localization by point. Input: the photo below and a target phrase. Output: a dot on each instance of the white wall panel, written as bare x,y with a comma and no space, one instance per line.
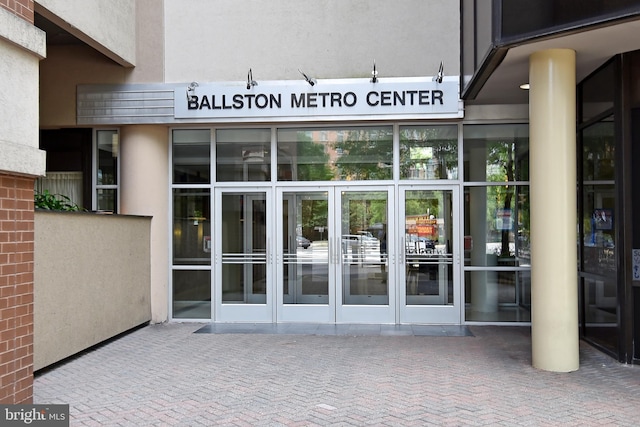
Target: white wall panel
220,40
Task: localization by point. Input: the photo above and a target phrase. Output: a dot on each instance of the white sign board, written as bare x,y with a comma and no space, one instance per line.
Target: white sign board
351,99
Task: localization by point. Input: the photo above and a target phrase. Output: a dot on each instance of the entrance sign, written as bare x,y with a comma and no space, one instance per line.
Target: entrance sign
399,98
335,99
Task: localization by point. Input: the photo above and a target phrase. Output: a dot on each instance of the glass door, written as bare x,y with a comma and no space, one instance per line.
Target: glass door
429,261
243,256
305,285
364,254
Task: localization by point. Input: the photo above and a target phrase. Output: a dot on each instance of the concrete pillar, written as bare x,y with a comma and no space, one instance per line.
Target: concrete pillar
144,168
554,290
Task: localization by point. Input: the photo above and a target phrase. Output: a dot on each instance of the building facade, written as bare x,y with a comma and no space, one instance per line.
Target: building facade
349,162
22,46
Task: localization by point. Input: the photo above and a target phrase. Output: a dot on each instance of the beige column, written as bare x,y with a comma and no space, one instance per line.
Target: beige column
144,166
554,293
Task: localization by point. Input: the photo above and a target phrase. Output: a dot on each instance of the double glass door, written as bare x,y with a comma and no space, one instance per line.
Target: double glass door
332,257
337,254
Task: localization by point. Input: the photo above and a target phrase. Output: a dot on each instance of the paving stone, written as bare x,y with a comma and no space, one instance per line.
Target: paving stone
167,375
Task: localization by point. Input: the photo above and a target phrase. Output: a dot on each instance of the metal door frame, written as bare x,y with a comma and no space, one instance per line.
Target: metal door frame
243,312
430,313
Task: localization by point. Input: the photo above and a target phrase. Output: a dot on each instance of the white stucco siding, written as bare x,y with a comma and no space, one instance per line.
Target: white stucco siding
21,48
221,39
107,26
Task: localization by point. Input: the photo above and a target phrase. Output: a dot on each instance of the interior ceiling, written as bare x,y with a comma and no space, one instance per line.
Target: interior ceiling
593,48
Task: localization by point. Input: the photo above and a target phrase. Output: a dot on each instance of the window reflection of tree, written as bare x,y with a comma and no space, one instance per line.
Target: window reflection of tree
313,161
367,154
443,156
507,161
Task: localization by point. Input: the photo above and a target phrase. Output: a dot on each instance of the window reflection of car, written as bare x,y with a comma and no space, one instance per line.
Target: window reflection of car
419,245
359,239
366,235
303,242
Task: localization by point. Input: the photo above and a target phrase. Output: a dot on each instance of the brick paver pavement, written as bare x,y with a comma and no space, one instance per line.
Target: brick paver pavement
164,375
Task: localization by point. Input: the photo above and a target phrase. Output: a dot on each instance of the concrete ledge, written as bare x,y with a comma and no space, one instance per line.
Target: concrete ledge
21,33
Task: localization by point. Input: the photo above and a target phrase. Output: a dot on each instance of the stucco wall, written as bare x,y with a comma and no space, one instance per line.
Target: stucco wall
220,40
21,48
107,26
92,280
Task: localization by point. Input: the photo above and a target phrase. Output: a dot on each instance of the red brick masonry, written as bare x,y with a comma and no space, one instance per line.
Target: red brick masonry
16,289
22,8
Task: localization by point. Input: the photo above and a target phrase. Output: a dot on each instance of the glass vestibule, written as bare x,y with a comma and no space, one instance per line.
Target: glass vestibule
331,224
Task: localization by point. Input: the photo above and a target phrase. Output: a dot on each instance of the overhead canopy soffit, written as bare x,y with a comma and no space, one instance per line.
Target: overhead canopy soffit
593,48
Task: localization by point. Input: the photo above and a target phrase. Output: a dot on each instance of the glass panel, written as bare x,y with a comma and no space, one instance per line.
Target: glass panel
428,247
306,252
364,248
191,156
335,154
243,155
599,244
191,227
496,226
429,152
498,296
191,294
107,157
244,243
598,156
601,312
496,153
598,92
107,200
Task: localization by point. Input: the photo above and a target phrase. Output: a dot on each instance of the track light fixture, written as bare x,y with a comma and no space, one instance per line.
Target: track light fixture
309,80
250,82
191,90
374,73
438,77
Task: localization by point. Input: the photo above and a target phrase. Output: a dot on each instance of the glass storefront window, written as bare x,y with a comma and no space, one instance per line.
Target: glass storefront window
191,156
107,151
597,92
598,151
598,217
496,226
335,154
108,145
598,198
191,297
496,153
429,152
243,155
191,227
498,296
601,312
107,200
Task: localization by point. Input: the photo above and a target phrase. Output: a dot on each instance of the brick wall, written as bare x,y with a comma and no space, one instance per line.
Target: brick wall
22,8
16,289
